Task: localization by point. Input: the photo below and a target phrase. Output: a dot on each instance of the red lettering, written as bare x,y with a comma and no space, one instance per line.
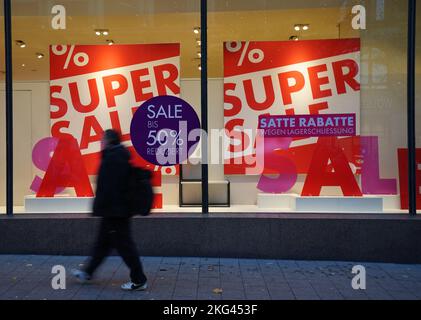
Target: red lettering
316,107
231,99
320,175
251,98
166,82
403,177
90,123
286,89
316,82
157,202
115,124
56,129
139,85
66,170
343,78
93,93
58,102
238,135
111,92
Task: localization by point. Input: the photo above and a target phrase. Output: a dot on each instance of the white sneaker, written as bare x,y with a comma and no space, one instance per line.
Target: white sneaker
130,286
81,276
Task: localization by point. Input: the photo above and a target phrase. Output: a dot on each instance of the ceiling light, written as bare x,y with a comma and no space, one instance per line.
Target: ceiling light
110,42
199,54
20,43
39,55
104,32
293,38
196,30
23,65
198,42
199,67
297,27
306,27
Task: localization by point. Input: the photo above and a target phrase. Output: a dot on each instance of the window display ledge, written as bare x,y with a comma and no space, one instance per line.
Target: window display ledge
304,236
59,204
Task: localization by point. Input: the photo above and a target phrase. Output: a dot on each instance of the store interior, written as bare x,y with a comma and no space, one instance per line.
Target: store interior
383,72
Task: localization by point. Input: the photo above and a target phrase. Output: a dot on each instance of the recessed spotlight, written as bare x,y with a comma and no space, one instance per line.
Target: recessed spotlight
199,54
110,42
39,55
21,44
306,27
198,42
297,27
23,65
293,38
196,30
199,67
104,32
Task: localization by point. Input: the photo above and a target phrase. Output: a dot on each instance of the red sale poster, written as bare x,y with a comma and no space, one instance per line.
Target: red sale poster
287,78
97,87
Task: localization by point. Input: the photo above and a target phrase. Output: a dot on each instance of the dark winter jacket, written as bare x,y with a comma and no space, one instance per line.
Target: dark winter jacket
111,198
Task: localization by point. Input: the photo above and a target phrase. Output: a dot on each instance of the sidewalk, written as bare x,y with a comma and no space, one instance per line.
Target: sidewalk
29,277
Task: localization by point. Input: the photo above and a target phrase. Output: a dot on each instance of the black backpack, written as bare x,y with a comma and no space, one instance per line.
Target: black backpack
140,191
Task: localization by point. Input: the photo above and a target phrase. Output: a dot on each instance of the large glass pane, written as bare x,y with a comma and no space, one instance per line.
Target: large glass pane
334,75
418,102
2,119
82,67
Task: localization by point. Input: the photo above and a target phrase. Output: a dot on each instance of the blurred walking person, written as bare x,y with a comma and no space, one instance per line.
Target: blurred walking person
112,205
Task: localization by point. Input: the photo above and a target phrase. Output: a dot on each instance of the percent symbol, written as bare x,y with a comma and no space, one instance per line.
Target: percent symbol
167,136
176,136
80,59
254,55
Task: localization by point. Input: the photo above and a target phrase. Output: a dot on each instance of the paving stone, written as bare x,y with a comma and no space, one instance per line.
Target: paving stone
171,261
350,294
229,262
233,295
136,296
226,285
191,294
190,278
329,295
305,293
209,261
378,295
402,295
257,296
281,295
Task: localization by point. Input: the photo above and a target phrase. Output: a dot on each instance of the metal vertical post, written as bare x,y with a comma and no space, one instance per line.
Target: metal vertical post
204,104
411,109
9,106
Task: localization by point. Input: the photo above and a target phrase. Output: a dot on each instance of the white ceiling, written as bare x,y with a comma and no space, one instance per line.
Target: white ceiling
225,23
129,7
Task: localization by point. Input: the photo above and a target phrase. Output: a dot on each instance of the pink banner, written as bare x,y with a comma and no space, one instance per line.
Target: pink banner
321,125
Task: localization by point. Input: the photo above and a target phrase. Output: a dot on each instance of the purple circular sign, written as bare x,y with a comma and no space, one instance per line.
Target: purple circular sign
160,130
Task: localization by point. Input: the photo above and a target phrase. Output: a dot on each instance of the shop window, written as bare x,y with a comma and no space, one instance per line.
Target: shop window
2,118
81,67
330,80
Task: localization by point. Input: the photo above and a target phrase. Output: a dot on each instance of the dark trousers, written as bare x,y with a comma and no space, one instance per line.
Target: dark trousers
115,233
